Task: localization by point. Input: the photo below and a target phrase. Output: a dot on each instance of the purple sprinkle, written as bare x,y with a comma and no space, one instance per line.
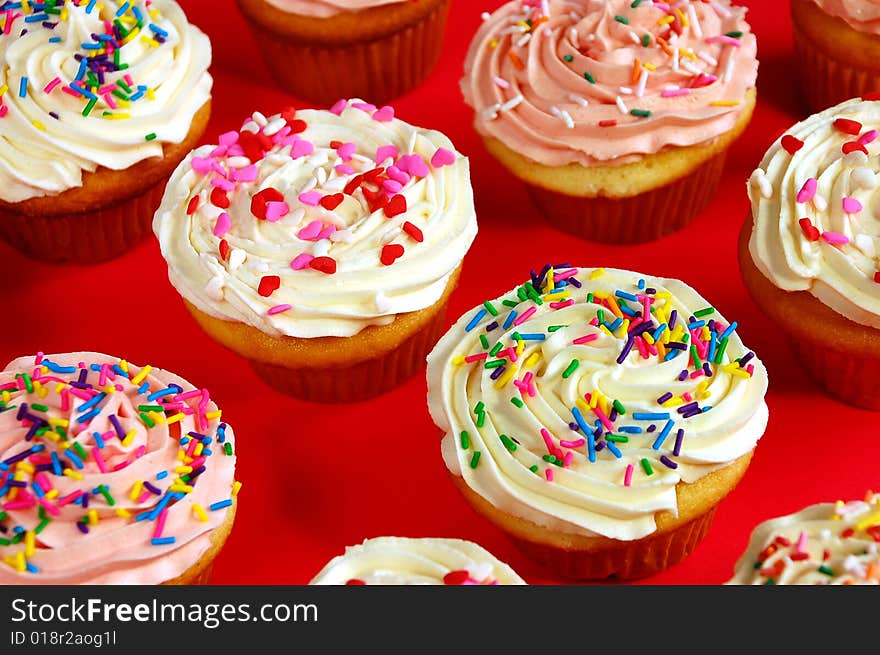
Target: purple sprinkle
573,281
197,472
745,359
672,318
650,291
497,372
668,462
491,326
666,396
677,345
574,426
116,426
707,369
651,428
684,409
17,458
613,415
682,375
678,437
54,115
82,375
599,446
627,347
82,527
22,410
17,483
692,412
85,501
152,488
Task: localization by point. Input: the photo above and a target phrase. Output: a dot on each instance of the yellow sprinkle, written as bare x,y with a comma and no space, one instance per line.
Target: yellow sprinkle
181,455
70,473
54,436
3,89
42,391
605,330
493,43
532,359
153,43
647,337
624,327
52,495
145,371
666,20
596,274
594,399
687,52
215,414
198,449
123,365
10,560
520,347
873,519
136,489
60,387
724,103
458,360
131,35
126,442
734,369
663,295
175,418
182,488
116,117
507,377
63,15
93,517
559,295
25,466
523,24
151,95
39,126
124,513
198,511
236,487
26,7
182,470
6,397
704,333
605,405
110,388
582,404
20,562
682,17
673,402
29,543
648,65
550,282
63,422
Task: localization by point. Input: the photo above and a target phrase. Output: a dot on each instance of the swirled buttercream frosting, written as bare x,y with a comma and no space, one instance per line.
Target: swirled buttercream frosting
862,15
327,8
110,473
580,399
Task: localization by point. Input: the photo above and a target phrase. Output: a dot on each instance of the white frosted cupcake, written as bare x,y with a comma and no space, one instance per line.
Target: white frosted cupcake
405,561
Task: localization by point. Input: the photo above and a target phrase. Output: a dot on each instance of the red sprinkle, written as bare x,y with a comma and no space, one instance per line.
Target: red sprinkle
297,127
335,144
826,555
609,123
810,230
456,578
877,277
262,199
782,541
851,146
848,126
773,571
846,534
413,231
324,265
353,184
791,144
250,144
355,581
390,253
288,113
375,199
268,285
219,199
797,557
192,206
395,206
224,249
332,202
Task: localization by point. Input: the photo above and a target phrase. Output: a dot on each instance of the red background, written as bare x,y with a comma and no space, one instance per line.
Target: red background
317,478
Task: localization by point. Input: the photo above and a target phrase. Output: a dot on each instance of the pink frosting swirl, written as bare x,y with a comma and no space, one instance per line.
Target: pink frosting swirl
596,81
326,8
94,488
862,15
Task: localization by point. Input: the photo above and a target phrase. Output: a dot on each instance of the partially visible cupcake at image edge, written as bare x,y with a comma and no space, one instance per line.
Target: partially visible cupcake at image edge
323,50
837,49
98,104
408,561
823,544
321,245
808,251
598,417
110,473
617,115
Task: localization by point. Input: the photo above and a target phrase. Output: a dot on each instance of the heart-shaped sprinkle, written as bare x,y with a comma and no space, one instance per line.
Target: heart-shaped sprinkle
251,146
384,152
301,148
413,231
355,581
868,137
851,205
395,206
808,190
809,229
222,183
835,238
339,106
262,198
353,184
301,261
324,265
414,165
268,285
310,198
877,274
219,199
310,231
332,202
275,210
297,126
390,253
384,115
848,126
442,157
791,144
245,174
852,146
398,175
224,249
391,186
288,113
228,138
346,150
202,165
343,169
456,578
376,200
192,206
326,232
221,227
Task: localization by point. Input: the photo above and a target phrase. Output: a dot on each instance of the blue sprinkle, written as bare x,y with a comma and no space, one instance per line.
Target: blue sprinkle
220,504
162,541
55,368
161,475
119,370
642,284
31,568
659,331
158,30
511,317
94,400
624,294
730,330
533,337
162,392
88,415
22,87
98,440
143,388
73,457
663,434
121,11
90,6
632,429
696,324
480,315
614,449
56,464
651,416
617,323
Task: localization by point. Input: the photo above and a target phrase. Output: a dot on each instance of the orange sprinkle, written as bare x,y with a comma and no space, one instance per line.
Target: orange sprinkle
664,45
636,71
516,60
614,307
873,572
542,19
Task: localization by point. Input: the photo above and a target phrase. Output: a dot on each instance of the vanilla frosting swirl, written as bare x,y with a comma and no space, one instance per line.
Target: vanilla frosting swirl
46,141
406,561
595,418
823,544
863,15
121,428
833,253
590,82
326,8
366,217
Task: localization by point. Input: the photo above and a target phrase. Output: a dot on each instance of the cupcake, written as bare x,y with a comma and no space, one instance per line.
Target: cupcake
837,45
808,255
404,561
110,473
321,245
373,49
617,115
598,417
823,544
98,104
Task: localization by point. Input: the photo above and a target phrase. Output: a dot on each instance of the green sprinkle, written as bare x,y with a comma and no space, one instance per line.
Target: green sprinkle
507,442
616,438
484,341
481,419
521,293
704,312
18,537
622,19
151,136
533,468
185,478
465,440
88,108
479,407
757,565
572,367
150,408
646,40
685,337
516,336
589,77
516,401
496,349
590,298
475,460
61,432
827,570
124,86
636,3
104,491
6,542
80,450
647,466
552,459
42,525
227,448
719,354
695,357
641,113
734,34
3,515
39,408
495,363
27,381
509,303
619,407
147,420
600,314
770,581
568,58
119,94
490,308
553,328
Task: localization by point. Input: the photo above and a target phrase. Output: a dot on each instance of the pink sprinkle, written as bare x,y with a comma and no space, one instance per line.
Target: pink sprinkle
522,318
222,183
384,152
301,148
801,542
392,186
442,157
222,226
310,231
339,106
835,238
723,38
310,198
750,369
564,275
246,174
344,169
549,475
572,444
128,79
808,191
868,137
628,476
99,459
278,309
49,507
301,261
704,80
202,165
414,165
398,175
69,498
604,419
18,504
276,210
187,394
586,338
566,461
65,400
502,83
548,441
851,205
561,304
384,115
219,151
346,150
51,85
476,357
228,138
326,232
687,396
160,523
144,495
696,374
594,321
674,93
364,106
3,110
110,102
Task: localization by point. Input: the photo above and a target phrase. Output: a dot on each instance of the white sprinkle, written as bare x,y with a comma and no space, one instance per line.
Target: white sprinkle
336,183
688,66
695,24
574,16
852,564
321,248
320,176
513,102
621,106
545,8
239,161
214,288
866,244
820,203
274,127
720,10
295,217
342,236
480,572
634,38
573,35
259,119
625,90
390,235
709,59
728,68
583,102
311,184
563,115
854,158
514,29
759,178
500,81
259,266
675,59
825,534
485,15
490,113
671,87
590,38
237,257
524,40
251,127
643,81
863,178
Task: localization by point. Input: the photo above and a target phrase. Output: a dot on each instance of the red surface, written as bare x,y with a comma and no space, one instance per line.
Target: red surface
317,478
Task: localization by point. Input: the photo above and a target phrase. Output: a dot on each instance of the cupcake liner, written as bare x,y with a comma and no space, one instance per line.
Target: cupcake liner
362,380
849,377
644,217
198,575
83,238
830,81
375,71
625,559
